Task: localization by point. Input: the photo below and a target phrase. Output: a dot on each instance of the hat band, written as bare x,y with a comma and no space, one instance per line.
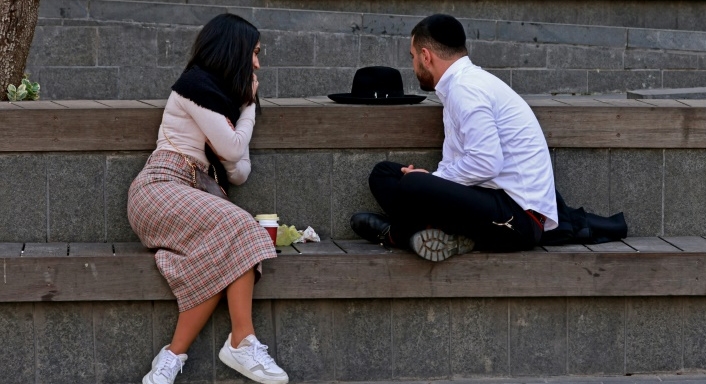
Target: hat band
378,94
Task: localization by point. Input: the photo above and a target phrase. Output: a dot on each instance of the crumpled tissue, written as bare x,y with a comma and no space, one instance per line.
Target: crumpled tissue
286,235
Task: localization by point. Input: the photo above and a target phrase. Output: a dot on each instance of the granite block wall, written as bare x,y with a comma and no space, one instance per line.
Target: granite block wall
364,339
82,197
114,49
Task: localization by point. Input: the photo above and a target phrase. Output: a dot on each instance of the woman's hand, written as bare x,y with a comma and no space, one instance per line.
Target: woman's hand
255,84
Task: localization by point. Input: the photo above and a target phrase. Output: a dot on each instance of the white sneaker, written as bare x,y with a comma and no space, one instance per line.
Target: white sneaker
252,360
165,367
436,245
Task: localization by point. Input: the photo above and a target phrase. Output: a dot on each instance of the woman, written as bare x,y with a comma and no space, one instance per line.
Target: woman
207,246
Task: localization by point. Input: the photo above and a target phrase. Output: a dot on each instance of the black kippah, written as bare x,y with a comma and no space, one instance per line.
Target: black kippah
446,30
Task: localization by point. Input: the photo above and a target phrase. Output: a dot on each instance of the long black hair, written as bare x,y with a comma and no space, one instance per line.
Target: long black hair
224,48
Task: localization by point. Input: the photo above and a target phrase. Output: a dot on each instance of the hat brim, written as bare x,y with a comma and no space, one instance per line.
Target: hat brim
348,98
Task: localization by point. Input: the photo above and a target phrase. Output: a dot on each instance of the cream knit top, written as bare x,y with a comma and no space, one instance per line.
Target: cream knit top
190,126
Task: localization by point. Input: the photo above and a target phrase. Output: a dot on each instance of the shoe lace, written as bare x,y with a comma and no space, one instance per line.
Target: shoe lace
261,356
168,365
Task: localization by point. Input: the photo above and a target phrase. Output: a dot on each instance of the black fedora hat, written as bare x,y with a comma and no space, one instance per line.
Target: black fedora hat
377,85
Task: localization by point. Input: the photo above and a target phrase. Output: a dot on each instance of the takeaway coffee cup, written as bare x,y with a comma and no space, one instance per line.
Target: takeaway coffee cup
269,222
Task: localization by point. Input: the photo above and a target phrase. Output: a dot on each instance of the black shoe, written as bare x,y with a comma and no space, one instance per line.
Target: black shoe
371,226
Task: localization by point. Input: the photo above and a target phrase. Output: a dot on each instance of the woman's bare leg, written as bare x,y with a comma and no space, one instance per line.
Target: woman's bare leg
190,323
239,295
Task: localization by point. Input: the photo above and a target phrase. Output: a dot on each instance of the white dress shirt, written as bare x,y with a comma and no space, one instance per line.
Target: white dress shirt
190,126
493,140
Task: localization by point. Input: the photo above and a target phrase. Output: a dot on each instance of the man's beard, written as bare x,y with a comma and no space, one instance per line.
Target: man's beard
426,80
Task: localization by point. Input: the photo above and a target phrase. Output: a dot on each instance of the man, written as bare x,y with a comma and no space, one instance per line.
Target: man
494,187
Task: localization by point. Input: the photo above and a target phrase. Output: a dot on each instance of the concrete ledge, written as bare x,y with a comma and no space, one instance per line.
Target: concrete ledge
669,93
354,269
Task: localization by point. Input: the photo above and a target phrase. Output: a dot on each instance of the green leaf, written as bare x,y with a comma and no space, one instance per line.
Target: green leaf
11,88
21,95
26,83
35,87
22,88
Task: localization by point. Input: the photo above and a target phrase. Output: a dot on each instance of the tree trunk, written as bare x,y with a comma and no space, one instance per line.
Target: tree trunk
17,21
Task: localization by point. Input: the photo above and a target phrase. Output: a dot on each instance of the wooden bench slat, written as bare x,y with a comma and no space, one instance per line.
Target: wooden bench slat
320,100
545,103
132,249
582,102
687,243
566,248
613,246
90,249
159,103
664,103
288,250
625,103
125,104
650,244
80,104
10,249
323,247
45,250
41,104
363,247
8,105
693,103
292,102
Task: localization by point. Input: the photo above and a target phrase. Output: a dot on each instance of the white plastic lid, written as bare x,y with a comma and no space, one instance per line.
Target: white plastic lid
272,216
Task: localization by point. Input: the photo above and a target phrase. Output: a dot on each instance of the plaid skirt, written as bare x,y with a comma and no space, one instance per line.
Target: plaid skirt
204,242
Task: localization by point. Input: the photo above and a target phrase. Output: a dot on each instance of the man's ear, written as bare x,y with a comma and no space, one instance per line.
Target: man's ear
426,57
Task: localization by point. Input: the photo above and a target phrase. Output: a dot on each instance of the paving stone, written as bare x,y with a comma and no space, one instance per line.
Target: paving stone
336,50
158,13
174,46
363,340
378,50
561,34
694,333
120,171
263,321
683,79
200,365
538,336
293,20
684,212
499,54
304,330
636,189
24,199
64,343
120,355
77,83
549,81
596,336
672,40
64,9
76,201
305,82
428,159
653,334
291,49
605,81
570,57
582,176
420,339
643,59
147,82
257,195
63,46
304,190
479,334
127,46
17,353
351,192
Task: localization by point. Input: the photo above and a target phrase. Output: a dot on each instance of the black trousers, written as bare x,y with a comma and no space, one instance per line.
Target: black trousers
417,200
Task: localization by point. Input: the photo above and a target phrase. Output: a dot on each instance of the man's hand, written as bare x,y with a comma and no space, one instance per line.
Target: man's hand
410,168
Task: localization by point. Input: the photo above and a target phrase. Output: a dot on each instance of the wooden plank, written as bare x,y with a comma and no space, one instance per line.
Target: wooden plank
700,103
323,247
80,130
90,249
624,103
363,247
125,104
650,244
287,250
10,249
566,248
581,102
613,246
8,105
293,102
687,243
321,100
266,102
80,104
132,249
545,103
664,103
45,250
159,103
83,278
38,105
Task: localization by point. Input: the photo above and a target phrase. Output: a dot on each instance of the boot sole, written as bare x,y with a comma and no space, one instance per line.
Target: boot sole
245,372
436,245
